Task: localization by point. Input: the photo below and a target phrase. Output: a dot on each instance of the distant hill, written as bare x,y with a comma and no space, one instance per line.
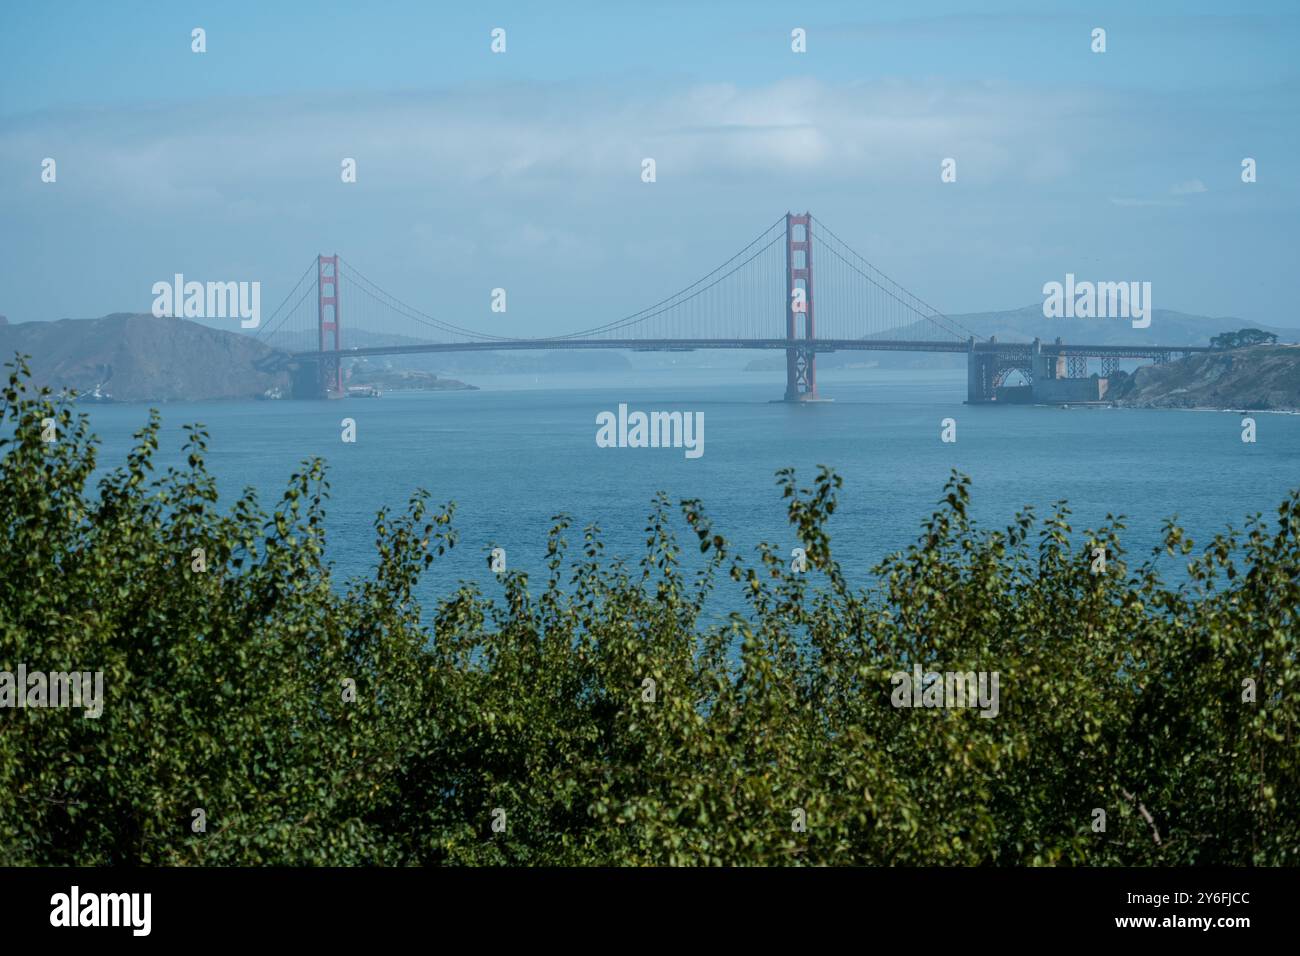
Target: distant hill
140,358
1167,327
1264,377
529,361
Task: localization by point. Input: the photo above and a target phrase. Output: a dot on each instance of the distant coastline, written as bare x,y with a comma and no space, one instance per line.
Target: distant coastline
1259,378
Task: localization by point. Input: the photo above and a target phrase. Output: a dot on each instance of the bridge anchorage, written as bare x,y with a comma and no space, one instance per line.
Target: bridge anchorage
763,297
1052,374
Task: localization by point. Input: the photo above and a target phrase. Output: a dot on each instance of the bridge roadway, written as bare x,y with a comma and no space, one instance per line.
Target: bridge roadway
1158,352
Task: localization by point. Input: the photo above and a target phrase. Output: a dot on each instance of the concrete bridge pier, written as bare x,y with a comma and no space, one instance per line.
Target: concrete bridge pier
1047,367
981,371
316,378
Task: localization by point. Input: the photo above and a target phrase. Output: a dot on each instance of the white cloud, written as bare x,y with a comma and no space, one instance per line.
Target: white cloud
536,140
539,187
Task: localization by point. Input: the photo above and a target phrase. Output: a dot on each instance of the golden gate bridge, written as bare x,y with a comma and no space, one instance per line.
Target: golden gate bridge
762,297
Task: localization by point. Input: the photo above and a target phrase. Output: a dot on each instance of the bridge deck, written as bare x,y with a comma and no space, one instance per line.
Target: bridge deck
820,345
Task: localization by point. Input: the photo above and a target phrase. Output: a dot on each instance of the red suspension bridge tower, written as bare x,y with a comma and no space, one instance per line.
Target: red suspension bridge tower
801,355
327,312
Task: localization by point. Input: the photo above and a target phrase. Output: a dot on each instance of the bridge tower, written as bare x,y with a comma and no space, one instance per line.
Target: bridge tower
801,354
327,313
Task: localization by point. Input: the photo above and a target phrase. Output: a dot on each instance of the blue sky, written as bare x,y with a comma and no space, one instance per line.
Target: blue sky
523,170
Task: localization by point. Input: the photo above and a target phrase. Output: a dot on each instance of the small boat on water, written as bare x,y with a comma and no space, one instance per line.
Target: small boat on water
96,396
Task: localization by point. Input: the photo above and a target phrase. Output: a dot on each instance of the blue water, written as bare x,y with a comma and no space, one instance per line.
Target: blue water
522,449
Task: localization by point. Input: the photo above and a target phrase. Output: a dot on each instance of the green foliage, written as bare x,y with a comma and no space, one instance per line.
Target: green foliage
224,688
1242,339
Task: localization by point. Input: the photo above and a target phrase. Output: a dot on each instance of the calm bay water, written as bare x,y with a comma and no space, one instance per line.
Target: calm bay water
522,449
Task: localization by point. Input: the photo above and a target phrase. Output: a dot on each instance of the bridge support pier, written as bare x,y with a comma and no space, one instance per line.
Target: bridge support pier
1047,368
981,373
800,375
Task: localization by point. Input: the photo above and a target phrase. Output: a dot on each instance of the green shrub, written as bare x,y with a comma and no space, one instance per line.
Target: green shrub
225,688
